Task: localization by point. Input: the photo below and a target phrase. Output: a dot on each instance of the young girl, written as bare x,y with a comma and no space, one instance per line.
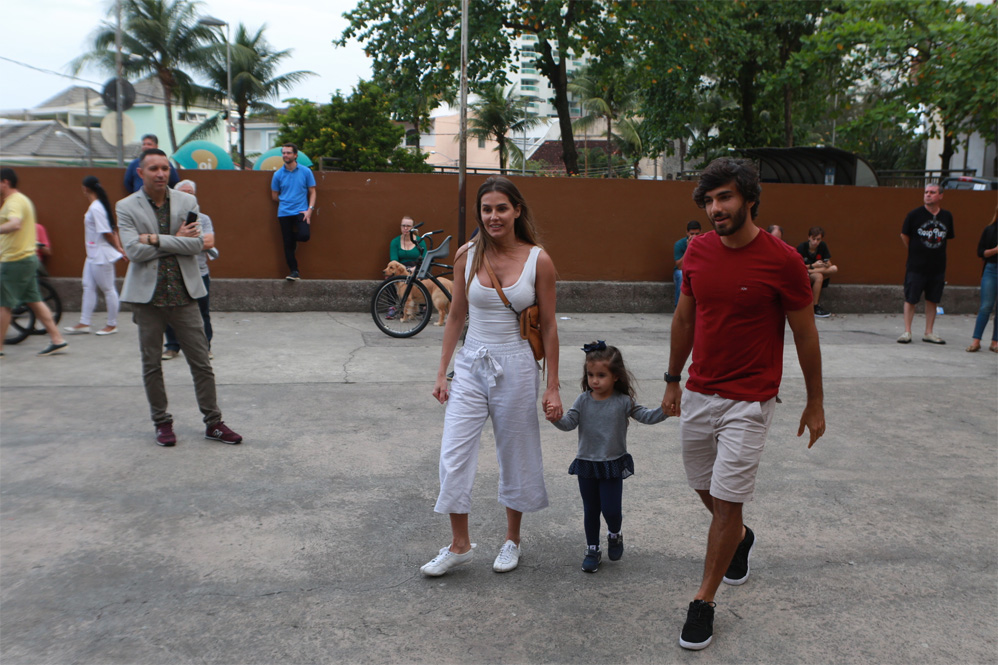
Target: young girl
602,463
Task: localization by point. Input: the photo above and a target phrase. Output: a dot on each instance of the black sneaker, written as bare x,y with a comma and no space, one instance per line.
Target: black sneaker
698,630
53,349
821,313
738,569
293,277
591,563
615,547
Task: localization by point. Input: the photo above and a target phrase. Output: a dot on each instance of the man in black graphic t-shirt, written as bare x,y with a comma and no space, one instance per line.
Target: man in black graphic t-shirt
925,232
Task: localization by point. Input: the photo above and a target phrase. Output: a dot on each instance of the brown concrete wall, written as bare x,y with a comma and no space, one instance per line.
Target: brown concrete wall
615,230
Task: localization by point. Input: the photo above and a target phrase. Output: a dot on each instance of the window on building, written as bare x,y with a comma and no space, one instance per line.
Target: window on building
411,138
188,116
481,143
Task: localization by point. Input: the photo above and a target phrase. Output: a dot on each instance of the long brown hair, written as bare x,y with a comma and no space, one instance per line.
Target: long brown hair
523,227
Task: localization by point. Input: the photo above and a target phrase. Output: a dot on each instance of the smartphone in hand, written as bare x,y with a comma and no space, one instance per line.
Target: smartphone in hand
192,218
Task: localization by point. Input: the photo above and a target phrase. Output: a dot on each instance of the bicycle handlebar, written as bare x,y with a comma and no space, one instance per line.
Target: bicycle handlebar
426,236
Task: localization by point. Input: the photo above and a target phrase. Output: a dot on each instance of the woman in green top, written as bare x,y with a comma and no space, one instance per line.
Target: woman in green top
402,249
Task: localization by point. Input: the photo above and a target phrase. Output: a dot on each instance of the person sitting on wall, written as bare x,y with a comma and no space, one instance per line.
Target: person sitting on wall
403,249
818,260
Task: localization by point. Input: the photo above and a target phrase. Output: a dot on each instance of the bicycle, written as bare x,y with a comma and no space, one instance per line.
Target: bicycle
401,306
22,320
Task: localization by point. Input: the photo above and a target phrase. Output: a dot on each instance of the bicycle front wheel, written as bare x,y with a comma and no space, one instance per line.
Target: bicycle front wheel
398,313
22,323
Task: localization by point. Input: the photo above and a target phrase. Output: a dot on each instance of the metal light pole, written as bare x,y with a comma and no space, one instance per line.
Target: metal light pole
118,88
462,172
213,22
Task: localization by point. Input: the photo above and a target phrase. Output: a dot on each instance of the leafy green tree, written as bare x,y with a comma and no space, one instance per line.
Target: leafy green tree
356,132
255,79
923,55
498,115
741,53
419,36
416,52
162,38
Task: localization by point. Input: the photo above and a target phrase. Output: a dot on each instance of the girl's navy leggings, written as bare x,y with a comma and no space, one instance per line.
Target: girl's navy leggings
601,496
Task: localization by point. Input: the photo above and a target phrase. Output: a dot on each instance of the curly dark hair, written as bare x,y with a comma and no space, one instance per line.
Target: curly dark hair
615,363
724,170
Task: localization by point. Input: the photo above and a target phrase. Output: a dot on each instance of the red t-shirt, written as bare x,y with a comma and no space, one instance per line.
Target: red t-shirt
742,297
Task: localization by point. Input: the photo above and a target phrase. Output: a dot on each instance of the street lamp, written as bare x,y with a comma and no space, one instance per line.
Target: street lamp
213,22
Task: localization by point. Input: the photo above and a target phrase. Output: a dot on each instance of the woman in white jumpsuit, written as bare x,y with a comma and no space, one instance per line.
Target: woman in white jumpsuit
103,250
495,373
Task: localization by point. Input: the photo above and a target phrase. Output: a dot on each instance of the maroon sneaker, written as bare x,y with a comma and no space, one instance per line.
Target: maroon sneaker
221,432
164,435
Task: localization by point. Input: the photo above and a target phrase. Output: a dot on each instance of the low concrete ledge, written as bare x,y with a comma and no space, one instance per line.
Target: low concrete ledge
270,295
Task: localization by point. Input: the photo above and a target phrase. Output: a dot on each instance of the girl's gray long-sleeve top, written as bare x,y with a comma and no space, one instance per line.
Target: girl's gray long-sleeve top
603,424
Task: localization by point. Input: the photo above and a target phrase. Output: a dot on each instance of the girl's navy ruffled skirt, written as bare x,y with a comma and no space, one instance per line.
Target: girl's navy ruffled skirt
622,467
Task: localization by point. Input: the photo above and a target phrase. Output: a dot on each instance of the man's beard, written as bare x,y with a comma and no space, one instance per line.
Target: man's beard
735,222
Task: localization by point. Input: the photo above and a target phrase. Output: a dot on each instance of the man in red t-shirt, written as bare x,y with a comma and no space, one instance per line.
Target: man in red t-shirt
739,287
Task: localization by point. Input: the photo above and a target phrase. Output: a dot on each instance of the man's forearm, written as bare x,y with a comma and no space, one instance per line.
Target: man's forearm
809,357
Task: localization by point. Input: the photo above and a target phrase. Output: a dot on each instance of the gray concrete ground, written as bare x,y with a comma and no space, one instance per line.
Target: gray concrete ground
303,545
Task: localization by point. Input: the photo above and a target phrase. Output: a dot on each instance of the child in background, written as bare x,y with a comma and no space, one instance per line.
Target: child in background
601,413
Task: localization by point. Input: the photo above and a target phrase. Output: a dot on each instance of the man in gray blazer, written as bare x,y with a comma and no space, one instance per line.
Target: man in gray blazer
162,284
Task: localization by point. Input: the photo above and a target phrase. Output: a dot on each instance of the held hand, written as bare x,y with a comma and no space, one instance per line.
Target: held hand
552,404
671,401
814,418
188,231
440,391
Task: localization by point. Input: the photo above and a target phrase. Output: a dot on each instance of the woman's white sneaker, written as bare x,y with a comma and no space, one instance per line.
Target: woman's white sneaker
508,559
446,560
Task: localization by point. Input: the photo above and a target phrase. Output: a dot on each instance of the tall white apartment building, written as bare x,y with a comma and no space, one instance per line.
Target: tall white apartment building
533,86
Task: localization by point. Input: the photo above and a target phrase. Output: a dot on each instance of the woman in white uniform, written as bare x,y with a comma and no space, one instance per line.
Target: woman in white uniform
495,373
103,250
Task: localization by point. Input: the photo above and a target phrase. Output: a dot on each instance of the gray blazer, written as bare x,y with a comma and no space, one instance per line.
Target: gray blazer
135,217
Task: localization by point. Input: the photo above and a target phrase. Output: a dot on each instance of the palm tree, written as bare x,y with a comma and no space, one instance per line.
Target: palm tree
496,115
603,98
161,37
254,76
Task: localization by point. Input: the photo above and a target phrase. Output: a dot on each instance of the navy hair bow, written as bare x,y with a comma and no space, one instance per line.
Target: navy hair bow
598,345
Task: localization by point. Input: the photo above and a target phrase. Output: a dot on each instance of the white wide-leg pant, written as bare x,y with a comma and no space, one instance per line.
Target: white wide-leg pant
99,277
501,381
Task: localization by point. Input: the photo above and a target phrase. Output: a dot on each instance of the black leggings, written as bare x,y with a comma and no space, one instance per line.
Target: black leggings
601,496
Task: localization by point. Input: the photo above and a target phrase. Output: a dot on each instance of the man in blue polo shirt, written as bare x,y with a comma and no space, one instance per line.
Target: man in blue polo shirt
293,187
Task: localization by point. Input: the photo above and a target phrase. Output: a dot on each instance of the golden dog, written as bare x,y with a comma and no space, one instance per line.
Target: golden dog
440,300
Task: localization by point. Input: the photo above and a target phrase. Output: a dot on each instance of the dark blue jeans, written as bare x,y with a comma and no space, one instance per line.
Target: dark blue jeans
601,496
171,337
989,298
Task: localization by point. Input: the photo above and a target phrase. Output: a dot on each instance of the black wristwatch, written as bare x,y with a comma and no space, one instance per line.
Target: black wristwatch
673,378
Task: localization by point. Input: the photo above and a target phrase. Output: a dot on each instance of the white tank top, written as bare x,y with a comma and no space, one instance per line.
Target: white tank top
489,320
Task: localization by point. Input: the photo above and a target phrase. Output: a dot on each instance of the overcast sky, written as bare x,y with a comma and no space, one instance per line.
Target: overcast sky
48,34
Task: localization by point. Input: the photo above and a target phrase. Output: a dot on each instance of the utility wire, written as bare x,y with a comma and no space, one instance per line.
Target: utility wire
49,71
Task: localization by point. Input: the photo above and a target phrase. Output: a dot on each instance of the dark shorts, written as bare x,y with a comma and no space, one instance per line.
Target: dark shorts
19,282
917,283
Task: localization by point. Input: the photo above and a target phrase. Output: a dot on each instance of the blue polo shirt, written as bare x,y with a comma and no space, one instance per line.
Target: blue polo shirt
292,188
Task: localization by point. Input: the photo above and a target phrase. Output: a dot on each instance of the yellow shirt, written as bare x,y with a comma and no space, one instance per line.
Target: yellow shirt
20,244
